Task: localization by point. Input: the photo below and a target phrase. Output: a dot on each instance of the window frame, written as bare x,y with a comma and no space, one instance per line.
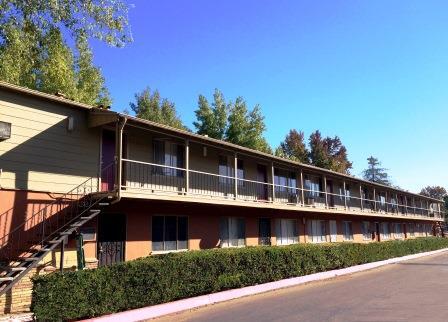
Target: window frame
165,250
227,242
279,226
347,235
315,225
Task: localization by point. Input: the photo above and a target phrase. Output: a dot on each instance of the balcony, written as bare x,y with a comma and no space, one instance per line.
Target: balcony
154,181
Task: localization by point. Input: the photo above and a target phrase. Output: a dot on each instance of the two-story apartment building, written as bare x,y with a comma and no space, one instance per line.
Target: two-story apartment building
132,188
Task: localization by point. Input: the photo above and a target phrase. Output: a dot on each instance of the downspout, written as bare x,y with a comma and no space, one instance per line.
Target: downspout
121,122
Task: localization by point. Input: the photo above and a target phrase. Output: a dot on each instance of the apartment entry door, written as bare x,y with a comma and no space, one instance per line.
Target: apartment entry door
111,238
264,231
262,176
333,231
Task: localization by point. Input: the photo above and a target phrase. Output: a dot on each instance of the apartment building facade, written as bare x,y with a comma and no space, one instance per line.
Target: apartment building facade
133,188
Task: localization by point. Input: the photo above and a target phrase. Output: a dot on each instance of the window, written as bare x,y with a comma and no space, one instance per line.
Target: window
366,232
411,230
169,233
385,234
285,185
398,231
317,231
347,193
232,232
347,230
225,170
169,154
313,186
286,231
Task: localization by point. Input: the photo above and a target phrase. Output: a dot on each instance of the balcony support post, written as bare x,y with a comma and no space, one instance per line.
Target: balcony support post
374,199
187,166
235,173
273,181
302,187
326,193
121,122
387,208
345,195
360,198
61,258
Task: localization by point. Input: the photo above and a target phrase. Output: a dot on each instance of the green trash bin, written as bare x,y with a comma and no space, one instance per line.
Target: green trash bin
80,251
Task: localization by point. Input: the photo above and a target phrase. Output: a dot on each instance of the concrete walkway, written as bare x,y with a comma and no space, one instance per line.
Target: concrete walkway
415,290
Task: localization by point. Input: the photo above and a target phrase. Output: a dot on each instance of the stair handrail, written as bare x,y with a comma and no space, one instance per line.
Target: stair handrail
4,239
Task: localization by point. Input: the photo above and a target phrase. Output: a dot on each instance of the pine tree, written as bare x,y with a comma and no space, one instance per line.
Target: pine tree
375,173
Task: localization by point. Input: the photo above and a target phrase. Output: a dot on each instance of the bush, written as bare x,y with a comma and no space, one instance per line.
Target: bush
164,278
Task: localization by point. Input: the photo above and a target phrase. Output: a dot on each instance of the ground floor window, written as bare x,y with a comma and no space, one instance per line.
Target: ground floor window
169,233
317,231
286,231
411,230
398,231
232,232
366,232
347,230
385,233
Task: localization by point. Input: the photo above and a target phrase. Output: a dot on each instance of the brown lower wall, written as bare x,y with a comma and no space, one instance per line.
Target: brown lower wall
203,230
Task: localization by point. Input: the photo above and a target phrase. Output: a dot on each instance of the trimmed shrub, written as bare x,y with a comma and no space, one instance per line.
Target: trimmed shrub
164,278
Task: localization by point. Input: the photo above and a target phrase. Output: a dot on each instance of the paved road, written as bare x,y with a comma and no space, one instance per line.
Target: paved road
416,290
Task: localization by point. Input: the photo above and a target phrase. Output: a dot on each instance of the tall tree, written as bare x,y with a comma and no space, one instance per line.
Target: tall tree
328,153
245,127
212,120
34,53
436,192
232,122
294,147
149,106
375,173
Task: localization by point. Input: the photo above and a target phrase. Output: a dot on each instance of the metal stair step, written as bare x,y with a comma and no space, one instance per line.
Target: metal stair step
17,269
67,233
103,204
78,224
31,259
6,279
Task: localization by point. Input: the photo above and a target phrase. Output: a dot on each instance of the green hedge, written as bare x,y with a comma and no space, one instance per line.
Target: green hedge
165,278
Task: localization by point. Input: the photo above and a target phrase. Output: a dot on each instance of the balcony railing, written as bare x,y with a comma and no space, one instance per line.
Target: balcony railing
168,180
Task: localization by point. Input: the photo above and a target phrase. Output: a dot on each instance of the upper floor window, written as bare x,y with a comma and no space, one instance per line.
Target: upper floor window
313,186
284,180
347,192
169,154
240,171
225,170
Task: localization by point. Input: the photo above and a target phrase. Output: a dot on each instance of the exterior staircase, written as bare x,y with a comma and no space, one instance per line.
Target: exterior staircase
27,244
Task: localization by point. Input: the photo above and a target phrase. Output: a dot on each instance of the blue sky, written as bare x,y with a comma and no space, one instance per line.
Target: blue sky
373,72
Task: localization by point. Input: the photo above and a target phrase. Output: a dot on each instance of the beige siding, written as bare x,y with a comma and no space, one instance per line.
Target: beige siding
42,154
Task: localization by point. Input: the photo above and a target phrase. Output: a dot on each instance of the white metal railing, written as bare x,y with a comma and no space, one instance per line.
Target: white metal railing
166,179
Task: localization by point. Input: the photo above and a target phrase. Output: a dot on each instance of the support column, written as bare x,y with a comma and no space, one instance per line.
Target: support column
345,195
273,181
119,154
187,166
303,189
325,191
236,175
374,199
360,197
61,259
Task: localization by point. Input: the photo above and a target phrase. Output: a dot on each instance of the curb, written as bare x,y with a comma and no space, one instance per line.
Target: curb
159,310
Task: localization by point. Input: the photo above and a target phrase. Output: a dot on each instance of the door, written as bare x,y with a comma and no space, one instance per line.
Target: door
377,231
262,189
111,238
333,231
107,159
264,231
